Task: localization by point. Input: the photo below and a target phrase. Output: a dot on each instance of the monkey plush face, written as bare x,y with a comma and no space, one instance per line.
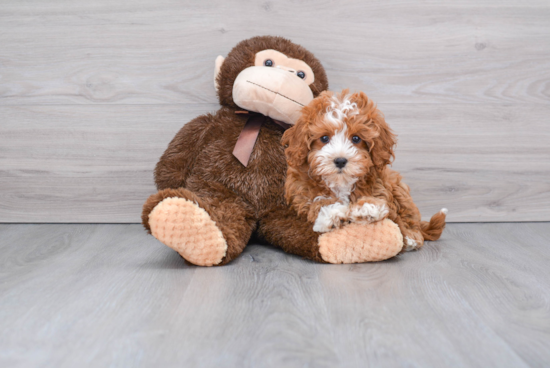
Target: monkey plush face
269,75
276,86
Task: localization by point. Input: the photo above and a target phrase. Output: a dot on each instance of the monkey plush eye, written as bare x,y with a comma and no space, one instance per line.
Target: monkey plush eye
301,74
268,62
325,139
355,139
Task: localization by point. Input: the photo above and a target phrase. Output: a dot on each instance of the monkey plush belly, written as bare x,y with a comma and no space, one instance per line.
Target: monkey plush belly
261,183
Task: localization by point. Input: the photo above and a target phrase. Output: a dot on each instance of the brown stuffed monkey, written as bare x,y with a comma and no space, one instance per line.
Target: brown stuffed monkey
222,176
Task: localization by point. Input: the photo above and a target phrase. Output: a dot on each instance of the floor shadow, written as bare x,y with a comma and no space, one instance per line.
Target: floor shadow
256,239
168,260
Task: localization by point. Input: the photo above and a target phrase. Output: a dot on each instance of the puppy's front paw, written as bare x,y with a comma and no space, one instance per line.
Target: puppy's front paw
330,217
369,212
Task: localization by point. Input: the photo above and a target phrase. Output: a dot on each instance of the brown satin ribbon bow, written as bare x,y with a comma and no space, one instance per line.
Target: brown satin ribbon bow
247,139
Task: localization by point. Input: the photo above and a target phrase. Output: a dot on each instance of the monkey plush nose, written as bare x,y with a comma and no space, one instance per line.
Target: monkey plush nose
340,162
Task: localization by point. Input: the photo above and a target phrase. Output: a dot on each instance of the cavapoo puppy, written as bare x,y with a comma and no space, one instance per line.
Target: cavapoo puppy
338,155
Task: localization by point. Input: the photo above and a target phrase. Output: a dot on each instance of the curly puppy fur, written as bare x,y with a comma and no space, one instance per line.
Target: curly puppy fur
338,155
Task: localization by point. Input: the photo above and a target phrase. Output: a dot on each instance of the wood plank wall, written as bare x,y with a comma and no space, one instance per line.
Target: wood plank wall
91,92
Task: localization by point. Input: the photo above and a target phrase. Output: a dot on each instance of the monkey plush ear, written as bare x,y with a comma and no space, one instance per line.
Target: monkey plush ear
217,67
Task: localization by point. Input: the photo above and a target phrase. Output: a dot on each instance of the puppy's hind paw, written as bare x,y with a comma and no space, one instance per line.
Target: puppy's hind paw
409,244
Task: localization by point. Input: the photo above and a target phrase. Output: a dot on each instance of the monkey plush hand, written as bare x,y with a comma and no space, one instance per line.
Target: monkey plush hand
222,176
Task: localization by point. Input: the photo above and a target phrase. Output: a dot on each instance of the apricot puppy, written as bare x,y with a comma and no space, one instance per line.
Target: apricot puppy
338,155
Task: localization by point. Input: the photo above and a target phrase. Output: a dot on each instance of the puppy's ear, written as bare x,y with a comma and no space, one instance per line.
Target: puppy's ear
383,145
383,140
295,141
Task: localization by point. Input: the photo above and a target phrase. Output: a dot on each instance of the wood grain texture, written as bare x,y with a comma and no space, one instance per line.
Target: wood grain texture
95,163
150,51
92,92
110,295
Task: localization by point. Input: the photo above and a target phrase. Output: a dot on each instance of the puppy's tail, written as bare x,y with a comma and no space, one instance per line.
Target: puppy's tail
432,230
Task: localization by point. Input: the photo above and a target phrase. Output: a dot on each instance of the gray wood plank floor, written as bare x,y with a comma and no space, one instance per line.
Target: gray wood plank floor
110,295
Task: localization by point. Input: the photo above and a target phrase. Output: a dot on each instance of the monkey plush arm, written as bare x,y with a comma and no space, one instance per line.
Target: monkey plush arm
178,160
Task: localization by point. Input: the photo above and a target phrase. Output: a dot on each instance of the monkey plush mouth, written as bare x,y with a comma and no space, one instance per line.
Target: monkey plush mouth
271,92
277,93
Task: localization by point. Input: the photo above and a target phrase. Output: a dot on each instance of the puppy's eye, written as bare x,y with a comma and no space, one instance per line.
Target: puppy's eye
355,139
301,74
268,62
325,139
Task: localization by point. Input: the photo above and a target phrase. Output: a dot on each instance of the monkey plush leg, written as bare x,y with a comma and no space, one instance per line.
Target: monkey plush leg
283,228
204,230
353,243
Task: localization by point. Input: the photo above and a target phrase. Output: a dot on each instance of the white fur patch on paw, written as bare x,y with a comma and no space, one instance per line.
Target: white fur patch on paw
330,217
410,244
444,211
369,212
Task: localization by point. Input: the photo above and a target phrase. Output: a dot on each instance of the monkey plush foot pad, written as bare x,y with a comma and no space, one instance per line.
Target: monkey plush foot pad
357,243
189,230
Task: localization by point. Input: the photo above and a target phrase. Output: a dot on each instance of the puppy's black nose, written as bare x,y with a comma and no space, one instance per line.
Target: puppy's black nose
340,162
